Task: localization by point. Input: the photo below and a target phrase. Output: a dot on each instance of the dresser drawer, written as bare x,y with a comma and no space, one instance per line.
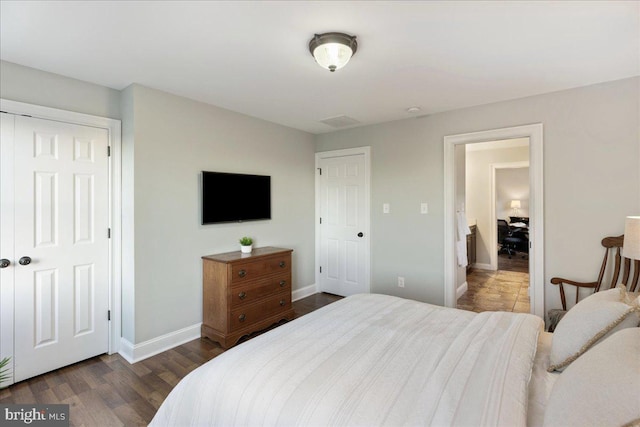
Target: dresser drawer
245,272
251,313
248,293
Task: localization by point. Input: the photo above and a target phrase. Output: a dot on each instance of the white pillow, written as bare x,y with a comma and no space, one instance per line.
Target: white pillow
601,388
592,319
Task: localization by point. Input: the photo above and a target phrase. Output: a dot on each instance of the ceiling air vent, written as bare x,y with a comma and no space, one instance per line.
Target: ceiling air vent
339,121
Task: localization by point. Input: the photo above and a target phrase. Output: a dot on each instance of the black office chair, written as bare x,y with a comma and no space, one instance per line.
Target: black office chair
520,240
503,233
509,241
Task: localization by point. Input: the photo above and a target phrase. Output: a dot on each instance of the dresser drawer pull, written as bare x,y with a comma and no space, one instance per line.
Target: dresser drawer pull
282,302
282,264
242,273
242,295
282,283
242,317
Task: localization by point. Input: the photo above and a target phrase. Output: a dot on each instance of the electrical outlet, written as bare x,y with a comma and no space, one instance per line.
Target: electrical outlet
424,208
386,208
400,282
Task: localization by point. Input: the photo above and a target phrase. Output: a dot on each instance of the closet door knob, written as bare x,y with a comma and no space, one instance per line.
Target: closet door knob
25,260
4,263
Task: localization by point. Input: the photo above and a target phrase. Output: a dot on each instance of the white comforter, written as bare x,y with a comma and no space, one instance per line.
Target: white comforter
367,360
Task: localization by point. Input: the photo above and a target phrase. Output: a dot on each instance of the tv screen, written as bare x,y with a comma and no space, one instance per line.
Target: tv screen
232,197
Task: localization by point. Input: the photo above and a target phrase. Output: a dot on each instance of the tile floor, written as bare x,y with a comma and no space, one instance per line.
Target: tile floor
500,290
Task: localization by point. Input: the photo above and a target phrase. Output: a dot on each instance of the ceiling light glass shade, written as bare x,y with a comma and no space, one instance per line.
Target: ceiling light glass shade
332,51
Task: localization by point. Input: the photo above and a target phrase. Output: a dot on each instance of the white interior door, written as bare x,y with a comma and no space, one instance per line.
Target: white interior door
59,196
344,234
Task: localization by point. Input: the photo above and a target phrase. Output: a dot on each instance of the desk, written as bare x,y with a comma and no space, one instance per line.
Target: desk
524,219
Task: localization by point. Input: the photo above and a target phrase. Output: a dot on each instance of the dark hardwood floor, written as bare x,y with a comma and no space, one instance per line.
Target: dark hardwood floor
108,391
506,289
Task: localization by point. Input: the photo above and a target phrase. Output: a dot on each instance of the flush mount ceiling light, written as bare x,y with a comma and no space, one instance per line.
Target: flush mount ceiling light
333,50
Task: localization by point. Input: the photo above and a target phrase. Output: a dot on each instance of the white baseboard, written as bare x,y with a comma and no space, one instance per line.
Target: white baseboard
462,289
304,292
480,266
133,353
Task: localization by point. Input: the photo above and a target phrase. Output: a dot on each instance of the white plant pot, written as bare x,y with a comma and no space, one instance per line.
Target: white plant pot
246,249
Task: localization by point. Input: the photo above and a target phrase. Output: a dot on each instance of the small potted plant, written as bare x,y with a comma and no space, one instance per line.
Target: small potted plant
246,245
4,370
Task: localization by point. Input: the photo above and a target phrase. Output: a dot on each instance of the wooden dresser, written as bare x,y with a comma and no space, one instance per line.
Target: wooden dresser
244,293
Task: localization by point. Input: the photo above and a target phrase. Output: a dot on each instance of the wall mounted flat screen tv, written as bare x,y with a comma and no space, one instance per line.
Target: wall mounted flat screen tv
232,197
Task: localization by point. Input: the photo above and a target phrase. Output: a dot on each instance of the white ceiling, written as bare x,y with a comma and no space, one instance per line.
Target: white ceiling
252,56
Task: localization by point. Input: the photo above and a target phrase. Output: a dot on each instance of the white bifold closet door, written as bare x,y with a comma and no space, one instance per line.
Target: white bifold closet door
54,232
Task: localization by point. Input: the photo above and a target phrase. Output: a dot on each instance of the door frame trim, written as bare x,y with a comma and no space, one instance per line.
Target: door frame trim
366,152
536,207
114,129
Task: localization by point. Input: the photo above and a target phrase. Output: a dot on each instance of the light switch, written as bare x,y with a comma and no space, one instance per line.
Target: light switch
424,208
386,208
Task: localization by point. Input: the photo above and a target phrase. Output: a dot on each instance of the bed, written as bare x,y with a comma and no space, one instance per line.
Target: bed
372,360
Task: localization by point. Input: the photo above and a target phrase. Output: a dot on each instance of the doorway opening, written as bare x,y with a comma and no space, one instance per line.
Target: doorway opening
511,205
496,193
453,203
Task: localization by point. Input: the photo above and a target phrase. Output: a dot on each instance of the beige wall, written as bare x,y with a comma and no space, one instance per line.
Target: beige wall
24,84
512,184
174,140
128,216
591,153
478,185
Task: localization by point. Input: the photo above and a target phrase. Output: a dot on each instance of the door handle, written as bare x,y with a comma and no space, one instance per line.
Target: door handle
4,263
25,260
360,234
